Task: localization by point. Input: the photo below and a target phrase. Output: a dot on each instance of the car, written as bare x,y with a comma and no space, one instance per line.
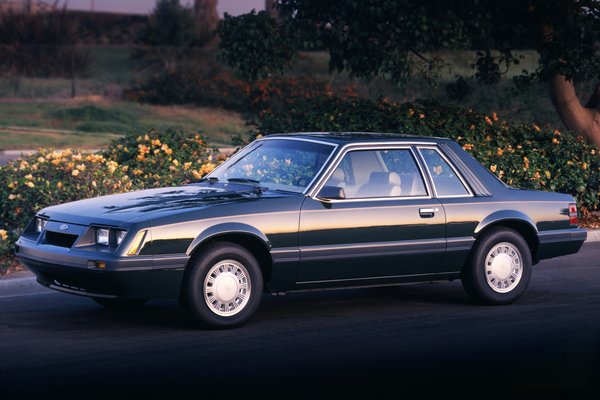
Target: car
304,211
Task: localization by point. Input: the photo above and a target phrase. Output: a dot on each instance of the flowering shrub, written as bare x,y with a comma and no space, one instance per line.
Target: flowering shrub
525,155
132,162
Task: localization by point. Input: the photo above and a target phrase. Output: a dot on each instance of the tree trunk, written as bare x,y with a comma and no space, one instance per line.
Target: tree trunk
206,15
584,120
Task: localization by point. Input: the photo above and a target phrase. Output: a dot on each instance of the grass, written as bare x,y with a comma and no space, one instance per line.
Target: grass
28,124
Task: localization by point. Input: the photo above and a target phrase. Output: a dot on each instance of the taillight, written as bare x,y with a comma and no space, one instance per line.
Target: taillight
573,214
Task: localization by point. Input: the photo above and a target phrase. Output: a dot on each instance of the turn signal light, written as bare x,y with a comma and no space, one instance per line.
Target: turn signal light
573,214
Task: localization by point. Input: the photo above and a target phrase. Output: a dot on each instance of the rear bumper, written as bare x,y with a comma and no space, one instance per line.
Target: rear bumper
560,242
75,272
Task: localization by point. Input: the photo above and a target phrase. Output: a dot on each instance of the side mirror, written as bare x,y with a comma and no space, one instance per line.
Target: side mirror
331,193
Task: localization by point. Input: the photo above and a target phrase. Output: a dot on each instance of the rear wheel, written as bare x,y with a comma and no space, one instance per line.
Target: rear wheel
499,268
223,287
119,303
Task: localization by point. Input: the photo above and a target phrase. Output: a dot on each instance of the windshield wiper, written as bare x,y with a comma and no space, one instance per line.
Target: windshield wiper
211,179
243,180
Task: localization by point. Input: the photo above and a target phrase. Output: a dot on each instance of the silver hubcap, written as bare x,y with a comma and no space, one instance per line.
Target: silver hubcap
227,288
503,267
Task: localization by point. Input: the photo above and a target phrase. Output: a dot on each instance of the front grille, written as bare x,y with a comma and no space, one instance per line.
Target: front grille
60,239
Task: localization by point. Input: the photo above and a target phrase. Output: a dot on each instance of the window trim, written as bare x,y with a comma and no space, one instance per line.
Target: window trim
373,147
461,179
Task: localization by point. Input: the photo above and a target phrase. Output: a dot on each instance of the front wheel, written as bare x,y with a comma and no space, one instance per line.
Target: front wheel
223,287
499,268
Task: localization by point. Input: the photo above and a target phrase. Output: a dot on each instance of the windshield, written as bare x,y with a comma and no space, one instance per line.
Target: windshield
277,164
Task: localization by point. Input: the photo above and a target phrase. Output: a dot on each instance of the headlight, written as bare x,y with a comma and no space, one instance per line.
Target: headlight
109,237
40,224
120,236
102,236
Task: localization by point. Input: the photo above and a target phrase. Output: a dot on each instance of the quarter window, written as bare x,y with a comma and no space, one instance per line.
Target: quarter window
378,173
446,181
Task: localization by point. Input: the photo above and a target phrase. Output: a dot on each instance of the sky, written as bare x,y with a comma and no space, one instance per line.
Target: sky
233,7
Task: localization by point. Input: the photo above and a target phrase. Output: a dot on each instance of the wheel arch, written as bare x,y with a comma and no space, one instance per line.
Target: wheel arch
243,235
515,220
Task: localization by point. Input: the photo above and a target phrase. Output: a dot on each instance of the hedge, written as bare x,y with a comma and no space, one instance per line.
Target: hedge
48,177
524,155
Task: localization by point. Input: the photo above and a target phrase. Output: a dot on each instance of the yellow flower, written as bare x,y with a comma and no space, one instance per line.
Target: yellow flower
81,167
548,174
537,128
557,132
584,166
30,184
75,172
593,151
187,165
156,142
472,127
499,151
59,185
41,160
29,176
143,149
493,168
175,162
146,138
410,112
196,174
555,141
495,116
12,185
112,165
3,234
12,197
488,121
468,146
77,157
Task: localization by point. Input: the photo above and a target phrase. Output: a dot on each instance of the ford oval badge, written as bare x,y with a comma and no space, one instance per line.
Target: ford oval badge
64,227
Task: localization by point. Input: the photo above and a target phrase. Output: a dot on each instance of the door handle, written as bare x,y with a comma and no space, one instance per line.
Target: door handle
427,212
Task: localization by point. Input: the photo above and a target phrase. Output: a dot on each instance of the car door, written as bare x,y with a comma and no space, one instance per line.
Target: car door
385,224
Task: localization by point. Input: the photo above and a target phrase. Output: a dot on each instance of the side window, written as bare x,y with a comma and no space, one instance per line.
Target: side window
378,173
445,180
403,163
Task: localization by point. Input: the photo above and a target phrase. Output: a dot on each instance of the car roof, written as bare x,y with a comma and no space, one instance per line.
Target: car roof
342,138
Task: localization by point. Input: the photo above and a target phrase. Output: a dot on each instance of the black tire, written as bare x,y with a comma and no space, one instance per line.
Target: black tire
485,279
119,304
222,287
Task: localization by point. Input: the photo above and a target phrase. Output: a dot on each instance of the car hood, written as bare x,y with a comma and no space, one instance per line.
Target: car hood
147,204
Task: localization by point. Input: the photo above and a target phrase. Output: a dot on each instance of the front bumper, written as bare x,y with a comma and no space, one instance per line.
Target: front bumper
560,242
75,271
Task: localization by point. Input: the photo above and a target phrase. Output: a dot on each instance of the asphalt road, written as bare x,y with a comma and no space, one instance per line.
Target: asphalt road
411,341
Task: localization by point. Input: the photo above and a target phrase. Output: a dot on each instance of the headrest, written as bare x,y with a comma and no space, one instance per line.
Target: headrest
338,174
384,178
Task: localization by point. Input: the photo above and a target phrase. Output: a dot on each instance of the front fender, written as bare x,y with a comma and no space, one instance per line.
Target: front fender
505,215
227,228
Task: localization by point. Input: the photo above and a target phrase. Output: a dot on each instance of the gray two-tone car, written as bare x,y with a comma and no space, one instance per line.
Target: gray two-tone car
304,211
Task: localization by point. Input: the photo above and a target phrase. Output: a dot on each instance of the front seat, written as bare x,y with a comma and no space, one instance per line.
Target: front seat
381,184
